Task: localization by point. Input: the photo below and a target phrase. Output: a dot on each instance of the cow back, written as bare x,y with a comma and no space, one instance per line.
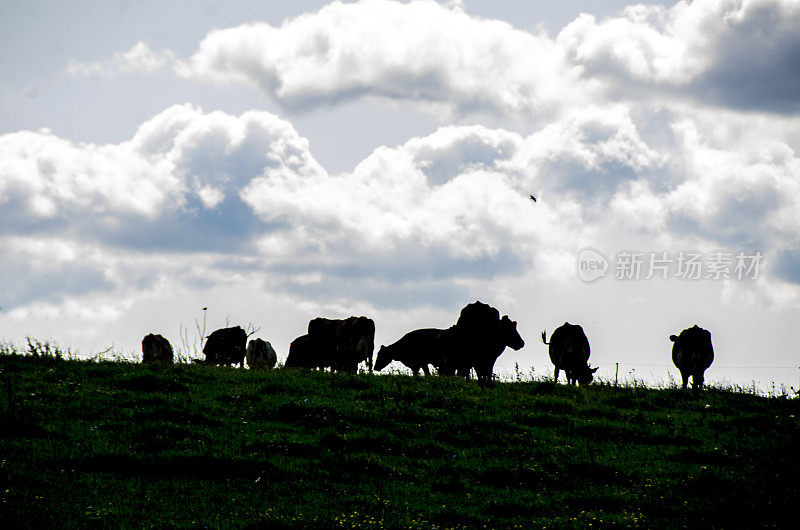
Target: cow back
260,354
302,354
569,347
343,343
226,346
692,349
155,348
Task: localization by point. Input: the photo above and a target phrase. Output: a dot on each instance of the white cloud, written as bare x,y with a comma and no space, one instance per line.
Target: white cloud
421,51
45,177
744,196
140,58
736,53
446,208
210,196
731,53
55,185
587,153
421,217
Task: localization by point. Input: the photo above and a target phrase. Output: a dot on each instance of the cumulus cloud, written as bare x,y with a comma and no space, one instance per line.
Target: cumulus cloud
736,53
140,58
247,190
169,186
421,51
743,195
740,54
587,155
427,217
204,198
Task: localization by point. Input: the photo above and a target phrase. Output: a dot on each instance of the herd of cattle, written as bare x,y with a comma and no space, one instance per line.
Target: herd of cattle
475,342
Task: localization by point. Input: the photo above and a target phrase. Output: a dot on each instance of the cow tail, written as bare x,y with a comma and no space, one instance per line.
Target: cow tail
544,337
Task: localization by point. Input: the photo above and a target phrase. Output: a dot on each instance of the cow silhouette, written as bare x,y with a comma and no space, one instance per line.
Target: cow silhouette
155,348
226,346
339,344
260,355
569,351
692,354
481,337
419,348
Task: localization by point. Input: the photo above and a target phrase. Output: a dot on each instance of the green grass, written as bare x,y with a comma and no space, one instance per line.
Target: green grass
122,445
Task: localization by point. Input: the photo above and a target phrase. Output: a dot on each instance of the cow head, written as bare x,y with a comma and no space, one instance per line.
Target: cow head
384,358
587,376
509,334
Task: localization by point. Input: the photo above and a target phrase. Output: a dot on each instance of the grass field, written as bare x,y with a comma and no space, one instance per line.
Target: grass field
122,445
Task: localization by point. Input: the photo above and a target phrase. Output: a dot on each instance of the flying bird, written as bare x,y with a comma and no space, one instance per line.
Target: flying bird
533,198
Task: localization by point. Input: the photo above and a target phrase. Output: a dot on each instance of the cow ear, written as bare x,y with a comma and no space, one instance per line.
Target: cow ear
593,370
673,338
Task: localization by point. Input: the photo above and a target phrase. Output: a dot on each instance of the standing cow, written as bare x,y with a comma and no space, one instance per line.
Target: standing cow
569,351
419,348
338,344
155,348
692,354
481,337
260,355
226,346
303,354
345,342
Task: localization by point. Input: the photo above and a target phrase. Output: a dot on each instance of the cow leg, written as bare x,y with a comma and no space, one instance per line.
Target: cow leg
485,371
685,377
425,369
697,381
480,375
555,375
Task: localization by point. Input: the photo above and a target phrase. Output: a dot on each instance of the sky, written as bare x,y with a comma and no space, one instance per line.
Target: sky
278,161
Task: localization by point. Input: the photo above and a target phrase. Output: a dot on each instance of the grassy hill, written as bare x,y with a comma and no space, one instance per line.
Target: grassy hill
102,444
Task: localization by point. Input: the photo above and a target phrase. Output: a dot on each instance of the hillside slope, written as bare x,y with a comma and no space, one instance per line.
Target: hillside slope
123,445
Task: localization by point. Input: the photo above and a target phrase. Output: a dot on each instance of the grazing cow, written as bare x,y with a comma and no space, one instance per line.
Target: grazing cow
692,354
481,337
419,348
226,346
343,344
569,351
303,354
260,355
155,348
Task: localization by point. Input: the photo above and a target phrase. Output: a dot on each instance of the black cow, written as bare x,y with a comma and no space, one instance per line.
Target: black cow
155,348
303,354
692,354
419,348
345,342
569,351
338,344
260,355
481,337
226,346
